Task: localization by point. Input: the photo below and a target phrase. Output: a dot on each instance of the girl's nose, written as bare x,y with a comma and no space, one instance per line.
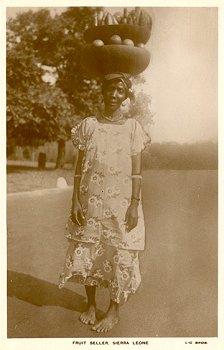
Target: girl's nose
113,93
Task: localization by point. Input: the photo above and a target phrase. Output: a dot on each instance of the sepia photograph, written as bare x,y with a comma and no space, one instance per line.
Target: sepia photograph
111,172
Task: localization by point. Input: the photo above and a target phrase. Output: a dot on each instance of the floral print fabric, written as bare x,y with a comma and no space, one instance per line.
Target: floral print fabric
93,264
105,195
106,183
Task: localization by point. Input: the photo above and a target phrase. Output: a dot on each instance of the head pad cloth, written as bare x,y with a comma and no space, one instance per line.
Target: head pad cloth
125,79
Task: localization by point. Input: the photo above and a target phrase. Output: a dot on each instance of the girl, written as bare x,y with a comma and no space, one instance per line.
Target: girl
106,227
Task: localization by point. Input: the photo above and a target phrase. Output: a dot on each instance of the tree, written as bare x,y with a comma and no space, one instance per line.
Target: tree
40,111
24,83
47,88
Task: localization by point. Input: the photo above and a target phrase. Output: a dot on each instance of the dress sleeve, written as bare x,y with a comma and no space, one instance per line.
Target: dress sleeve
79,134
140,139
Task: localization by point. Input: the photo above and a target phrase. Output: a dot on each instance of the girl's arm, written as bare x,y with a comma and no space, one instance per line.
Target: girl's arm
77,175
132,212
76,210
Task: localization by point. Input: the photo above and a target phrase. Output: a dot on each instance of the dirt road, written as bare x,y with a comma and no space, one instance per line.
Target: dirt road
178,295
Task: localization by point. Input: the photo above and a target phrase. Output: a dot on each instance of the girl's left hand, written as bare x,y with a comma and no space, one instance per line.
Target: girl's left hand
131,217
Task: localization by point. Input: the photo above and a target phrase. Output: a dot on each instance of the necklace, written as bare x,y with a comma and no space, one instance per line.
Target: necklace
120,117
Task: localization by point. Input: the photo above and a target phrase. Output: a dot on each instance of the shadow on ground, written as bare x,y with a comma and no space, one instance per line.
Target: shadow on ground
40,293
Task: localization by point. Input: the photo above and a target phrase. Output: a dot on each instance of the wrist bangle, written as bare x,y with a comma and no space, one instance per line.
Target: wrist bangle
77,175
136,176
134,198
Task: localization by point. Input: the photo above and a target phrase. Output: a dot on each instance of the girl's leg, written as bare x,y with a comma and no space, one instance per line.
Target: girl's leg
111,318
89,316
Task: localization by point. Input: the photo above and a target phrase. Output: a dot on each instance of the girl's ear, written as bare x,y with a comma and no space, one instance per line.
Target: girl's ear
125,106
101,104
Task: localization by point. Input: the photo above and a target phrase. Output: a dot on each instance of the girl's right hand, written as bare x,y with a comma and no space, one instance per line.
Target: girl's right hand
77,214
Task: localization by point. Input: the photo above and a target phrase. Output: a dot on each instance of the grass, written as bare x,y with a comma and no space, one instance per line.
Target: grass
25,176
22,178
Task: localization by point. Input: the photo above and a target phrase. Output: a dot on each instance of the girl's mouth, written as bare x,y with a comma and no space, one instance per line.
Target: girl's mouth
112,102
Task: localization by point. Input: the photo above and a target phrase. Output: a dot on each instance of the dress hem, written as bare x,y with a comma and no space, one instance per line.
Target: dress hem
116,295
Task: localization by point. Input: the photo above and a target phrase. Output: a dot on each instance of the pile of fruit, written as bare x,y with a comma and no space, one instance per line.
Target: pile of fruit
132,28
136,17
116,40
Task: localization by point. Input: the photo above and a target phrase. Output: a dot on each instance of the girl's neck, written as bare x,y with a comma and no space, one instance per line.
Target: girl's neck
115,118
112,116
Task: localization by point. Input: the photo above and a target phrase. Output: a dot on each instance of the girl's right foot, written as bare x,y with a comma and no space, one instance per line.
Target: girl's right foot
89,316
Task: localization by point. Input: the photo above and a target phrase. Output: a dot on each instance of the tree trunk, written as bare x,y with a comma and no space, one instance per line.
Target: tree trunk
42,160
61,155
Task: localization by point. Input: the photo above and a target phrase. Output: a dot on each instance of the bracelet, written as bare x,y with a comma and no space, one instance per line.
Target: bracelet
136,176
134,198
77,175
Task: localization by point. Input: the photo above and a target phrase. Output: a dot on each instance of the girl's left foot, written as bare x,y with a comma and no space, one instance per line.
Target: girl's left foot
89,316
111,319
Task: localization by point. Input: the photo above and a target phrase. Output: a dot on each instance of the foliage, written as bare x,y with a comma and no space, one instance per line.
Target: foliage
40,111
47,89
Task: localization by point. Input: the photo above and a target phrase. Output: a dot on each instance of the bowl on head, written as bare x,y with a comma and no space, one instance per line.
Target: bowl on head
101,60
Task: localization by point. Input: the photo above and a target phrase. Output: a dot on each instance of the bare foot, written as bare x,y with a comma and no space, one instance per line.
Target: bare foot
89,316
111,319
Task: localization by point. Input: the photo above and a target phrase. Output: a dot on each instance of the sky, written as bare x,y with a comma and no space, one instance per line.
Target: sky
182,77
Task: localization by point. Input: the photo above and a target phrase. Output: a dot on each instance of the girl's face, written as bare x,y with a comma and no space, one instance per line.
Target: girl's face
114,93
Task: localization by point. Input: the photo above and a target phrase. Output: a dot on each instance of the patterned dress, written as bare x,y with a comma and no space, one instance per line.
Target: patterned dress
101,251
